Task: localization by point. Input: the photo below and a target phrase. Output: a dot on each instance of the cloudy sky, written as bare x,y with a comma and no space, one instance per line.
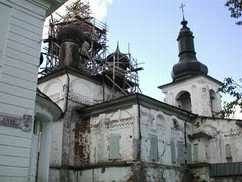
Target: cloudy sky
151,27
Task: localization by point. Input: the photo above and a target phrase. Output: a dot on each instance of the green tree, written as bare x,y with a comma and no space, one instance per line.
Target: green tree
233,89
235,8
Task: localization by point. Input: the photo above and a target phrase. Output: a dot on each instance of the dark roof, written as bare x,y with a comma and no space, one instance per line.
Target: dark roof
140,99
187,78
63,70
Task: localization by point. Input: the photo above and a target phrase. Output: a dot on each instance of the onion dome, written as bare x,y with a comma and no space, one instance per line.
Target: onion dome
188,64
121,59
71,33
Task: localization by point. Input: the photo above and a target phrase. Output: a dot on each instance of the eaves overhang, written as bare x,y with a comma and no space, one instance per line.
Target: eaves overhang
139,99
49,5
45,102
187,78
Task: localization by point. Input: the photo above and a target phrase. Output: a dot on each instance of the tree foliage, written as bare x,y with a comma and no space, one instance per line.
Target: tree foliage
235,8
234,89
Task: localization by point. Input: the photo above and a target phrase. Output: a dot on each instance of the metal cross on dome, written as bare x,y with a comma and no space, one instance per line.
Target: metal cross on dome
182,8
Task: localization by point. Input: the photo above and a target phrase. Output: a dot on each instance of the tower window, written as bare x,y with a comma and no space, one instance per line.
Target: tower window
212,96
183,100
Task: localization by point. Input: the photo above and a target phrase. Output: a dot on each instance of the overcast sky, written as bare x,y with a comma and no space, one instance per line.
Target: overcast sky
151,27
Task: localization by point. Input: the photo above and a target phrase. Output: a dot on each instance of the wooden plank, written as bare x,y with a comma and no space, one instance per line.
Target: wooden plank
18,101
12,109
23,16
15,132
22,56
21,69
33,27
4,19
13,178
14,161
20,88
20,47
7,140
31,7
13,171
19,75
21,65
25,39
15,152
36,32
30,94
27,36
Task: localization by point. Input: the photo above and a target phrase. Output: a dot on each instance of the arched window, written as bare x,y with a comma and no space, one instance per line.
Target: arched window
212,96
183,100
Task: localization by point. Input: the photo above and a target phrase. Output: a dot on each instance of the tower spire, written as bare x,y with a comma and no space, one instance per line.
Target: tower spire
188,64
182,9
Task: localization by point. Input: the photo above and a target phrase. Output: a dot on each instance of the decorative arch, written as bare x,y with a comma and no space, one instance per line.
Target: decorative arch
53,89
183,100
160,120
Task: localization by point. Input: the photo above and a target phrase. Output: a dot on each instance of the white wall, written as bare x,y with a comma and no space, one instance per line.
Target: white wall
198,88
81,89
122,123
161,125
223,132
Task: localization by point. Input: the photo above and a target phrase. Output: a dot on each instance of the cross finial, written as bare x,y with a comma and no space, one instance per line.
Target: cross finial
182,8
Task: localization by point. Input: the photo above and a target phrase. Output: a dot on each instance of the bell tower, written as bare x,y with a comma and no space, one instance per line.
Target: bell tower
191,89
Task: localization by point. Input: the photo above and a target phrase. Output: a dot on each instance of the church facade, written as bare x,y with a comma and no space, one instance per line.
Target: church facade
107,133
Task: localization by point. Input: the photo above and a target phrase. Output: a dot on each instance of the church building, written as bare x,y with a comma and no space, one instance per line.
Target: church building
109,132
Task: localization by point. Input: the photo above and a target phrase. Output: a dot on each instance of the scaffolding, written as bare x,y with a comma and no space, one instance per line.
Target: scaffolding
118,70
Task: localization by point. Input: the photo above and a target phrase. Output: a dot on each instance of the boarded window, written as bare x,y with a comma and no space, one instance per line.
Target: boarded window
100,149
153,148
189,153
195,152
212,95
114,146
173,152
180,152
228,151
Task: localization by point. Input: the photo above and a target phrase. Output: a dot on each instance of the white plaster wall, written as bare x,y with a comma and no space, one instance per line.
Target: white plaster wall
203,150
162,174
56,143
198,88
223,132
81,89
121,122
112,174
164,130
55,89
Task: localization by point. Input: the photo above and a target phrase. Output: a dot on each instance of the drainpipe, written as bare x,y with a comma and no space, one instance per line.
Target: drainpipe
185,139
139,128
66,93
187,175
